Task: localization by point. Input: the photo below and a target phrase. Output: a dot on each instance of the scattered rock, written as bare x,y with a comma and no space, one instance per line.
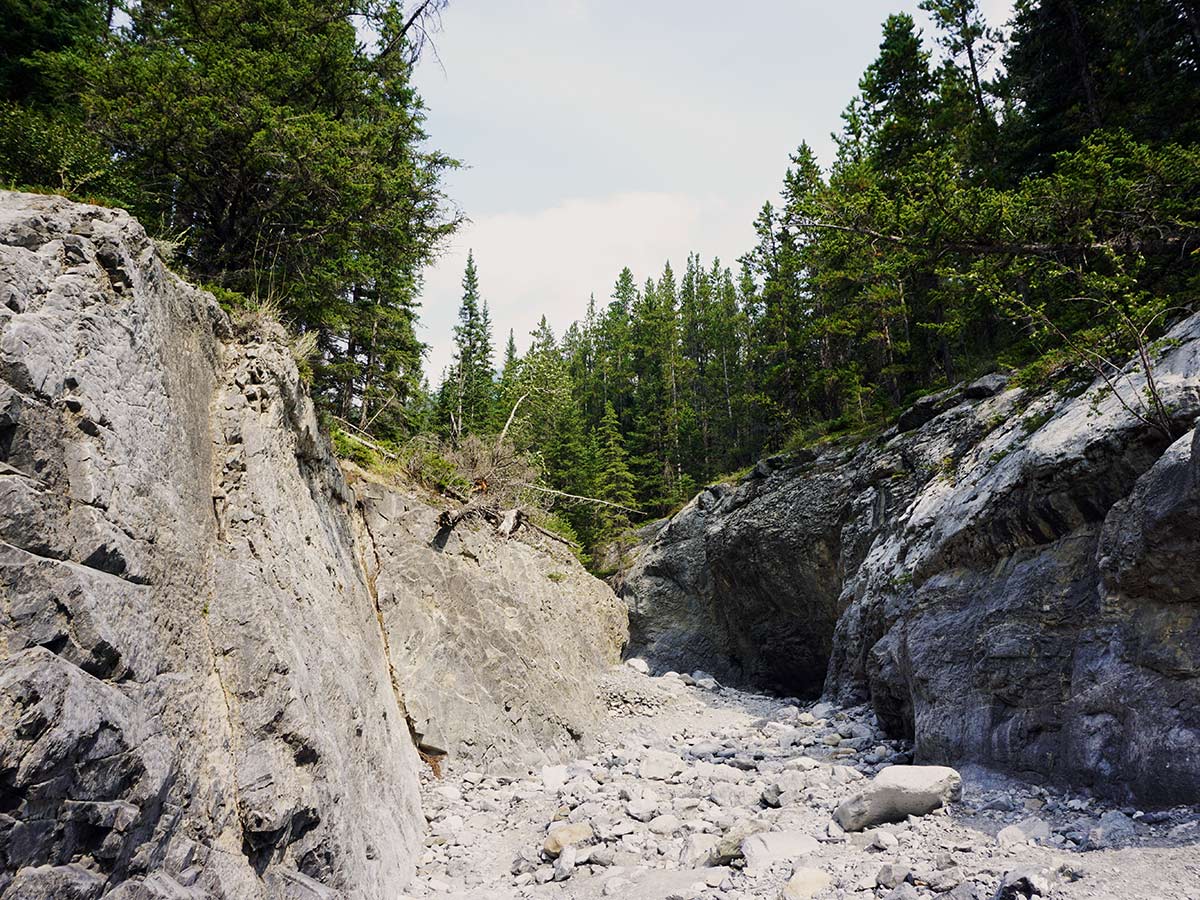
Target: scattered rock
665,824
559,837
1024,883
805,884
760,850
659,765
565,864
891,875
886,841
1115,828
898,792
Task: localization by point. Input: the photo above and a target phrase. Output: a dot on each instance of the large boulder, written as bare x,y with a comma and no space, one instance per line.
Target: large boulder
898,792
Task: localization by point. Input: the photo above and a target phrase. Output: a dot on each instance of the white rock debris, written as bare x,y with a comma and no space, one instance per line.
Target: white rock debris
702,792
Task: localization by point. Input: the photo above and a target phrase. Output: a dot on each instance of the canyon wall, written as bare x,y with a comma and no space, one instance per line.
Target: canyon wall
1007,577
213,680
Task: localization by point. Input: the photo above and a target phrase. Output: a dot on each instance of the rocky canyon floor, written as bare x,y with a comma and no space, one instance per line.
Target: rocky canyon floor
697,791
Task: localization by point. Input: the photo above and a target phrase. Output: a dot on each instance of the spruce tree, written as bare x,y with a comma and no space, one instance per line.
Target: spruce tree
965,34
614,482
473,405
897,89
550,421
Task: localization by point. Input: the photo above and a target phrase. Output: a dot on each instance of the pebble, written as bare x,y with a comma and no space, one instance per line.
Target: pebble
805,883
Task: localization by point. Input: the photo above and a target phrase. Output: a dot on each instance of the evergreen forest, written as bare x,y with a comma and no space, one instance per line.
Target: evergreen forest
1021,197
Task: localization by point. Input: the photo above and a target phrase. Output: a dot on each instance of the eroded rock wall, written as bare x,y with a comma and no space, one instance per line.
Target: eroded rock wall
195,697
499,643
1010,579
196,694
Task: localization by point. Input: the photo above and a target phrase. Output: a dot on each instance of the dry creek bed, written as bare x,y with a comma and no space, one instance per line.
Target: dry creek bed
701,792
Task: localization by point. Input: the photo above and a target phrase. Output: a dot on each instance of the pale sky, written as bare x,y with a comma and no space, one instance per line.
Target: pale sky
599,134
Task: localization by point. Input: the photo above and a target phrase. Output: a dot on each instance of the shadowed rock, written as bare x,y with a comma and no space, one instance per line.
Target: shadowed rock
1007,578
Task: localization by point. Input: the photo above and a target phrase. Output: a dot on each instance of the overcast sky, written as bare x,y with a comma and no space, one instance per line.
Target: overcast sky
599,134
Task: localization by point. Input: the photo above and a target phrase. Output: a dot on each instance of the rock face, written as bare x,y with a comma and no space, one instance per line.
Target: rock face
196,694
498,643
193,684
717,586
1008,578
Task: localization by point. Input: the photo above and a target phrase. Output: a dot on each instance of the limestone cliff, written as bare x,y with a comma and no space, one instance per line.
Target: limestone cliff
1009,578
498,643
207,663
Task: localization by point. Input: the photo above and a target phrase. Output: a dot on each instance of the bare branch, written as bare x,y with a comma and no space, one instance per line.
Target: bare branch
1156,419
413,21
552,492
508,424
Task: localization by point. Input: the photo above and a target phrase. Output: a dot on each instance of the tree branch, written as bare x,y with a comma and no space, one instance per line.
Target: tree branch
508,424
551,491
1010,248
398,40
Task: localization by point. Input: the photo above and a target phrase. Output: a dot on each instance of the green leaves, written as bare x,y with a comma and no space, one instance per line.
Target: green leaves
287,154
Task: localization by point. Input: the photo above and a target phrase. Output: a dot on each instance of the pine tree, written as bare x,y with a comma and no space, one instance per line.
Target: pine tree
614,482
506,388
550,424
897,89
1073,68
965,34
473,389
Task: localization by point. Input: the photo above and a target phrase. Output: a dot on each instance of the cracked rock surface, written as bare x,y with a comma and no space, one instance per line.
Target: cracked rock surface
499,644
194,698
211,677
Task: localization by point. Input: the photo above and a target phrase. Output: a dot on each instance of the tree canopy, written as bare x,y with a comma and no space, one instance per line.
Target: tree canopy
1023,199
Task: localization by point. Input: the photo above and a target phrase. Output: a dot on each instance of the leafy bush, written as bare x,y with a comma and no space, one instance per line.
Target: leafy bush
55,151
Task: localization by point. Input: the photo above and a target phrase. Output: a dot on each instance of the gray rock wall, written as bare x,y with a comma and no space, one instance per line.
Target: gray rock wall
1009,579
196,694
195,699
499,644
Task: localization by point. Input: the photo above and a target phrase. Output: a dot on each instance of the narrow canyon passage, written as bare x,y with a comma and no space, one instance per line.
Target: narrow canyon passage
696,791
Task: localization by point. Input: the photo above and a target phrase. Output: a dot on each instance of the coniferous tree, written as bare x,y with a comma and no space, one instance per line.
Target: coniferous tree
45,140
551,425
472,407
1074,67
614,482
966,35
897,90
506,389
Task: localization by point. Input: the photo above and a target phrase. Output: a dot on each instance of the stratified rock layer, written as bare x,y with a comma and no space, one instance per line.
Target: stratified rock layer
196,694
1008,578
